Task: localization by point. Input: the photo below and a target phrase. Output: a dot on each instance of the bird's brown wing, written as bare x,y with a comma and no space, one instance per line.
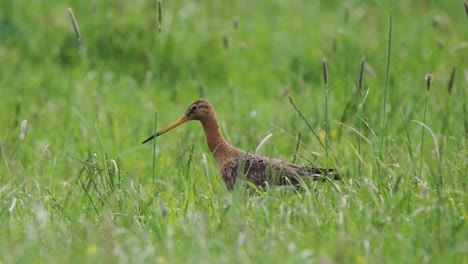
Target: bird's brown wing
260,169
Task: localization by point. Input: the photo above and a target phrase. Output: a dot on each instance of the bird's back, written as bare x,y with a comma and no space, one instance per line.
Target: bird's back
261,169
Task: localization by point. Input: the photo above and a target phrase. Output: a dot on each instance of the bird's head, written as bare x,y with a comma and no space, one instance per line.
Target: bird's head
198,110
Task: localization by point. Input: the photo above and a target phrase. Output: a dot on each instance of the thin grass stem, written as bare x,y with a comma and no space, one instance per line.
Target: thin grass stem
359,90
325,82
154,145
297,147
422,137
307,122
387,75
159,16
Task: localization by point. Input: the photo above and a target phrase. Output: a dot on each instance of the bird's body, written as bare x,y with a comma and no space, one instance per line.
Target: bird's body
232,162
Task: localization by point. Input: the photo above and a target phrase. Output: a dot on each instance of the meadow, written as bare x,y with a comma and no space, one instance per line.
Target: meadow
77,185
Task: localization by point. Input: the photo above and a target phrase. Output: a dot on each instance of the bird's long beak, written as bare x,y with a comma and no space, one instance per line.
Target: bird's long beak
177,123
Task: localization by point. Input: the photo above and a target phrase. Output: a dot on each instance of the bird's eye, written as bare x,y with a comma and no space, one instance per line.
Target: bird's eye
194,108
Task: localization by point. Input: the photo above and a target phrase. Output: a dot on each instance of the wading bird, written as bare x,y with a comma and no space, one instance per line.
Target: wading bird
232,162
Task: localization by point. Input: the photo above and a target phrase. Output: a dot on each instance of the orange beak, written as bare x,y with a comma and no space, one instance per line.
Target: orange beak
177,123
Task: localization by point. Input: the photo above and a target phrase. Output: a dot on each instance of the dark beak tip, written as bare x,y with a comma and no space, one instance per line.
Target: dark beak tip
148,139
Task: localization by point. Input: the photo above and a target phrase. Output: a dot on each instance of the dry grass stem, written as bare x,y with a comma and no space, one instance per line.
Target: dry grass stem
263,142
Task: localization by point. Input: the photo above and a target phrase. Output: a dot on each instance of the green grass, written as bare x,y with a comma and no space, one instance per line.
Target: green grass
81,187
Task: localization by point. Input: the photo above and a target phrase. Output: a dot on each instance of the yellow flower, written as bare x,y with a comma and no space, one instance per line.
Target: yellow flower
161,259
92,249
360,259
322,135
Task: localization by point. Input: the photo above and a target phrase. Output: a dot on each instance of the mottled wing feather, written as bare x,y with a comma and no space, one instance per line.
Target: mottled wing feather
260,169
229,173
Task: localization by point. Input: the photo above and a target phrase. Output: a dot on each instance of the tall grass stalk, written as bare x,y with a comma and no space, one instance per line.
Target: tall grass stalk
313,130
446,130
428,80
359,91
297,148
436,149
154,145
159,16
325,83
446,121
41,157
387,75
409,145
306,122
22,136
5,160
89,92
465,111
75,25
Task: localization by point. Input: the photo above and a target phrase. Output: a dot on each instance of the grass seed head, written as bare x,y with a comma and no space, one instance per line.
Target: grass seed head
325,71
225,41
436,21
24,130
428,78
75,24
466,8
361,72
285,92
451,80
235,23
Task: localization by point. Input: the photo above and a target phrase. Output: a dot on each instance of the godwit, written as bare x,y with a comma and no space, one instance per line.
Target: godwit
232,162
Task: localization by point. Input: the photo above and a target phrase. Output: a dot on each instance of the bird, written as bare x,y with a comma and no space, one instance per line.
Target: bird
232,162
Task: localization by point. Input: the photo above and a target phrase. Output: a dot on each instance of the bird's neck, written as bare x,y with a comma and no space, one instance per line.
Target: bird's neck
216,142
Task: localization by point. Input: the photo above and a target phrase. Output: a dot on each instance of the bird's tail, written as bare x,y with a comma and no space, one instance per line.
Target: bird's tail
322,174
